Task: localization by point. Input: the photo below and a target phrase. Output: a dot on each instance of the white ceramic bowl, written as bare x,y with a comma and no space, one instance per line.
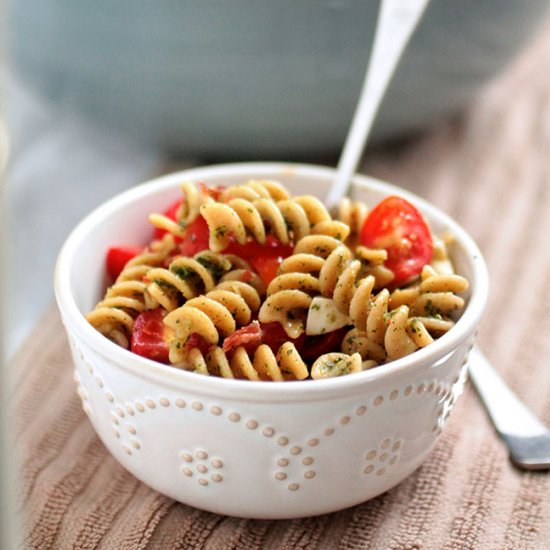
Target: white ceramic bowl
258,449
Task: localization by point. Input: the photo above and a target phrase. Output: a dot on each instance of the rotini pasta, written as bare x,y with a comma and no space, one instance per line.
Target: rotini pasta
255,189
337,275
125,299
314,297
185,278
216,314
246,275
286,364
417,313
286,220
372,260
353,214
379,333
189,209
338,364
287,307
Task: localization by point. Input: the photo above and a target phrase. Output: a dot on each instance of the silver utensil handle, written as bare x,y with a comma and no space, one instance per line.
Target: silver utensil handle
397,19
509,415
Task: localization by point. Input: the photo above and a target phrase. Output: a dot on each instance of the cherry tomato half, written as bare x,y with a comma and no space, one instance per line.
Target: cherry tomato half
397,226
150,336
196,238
118,257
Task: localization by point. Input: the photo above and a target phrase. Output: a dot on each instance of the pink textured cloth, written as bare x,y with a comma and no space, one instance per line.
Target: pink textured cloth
490,170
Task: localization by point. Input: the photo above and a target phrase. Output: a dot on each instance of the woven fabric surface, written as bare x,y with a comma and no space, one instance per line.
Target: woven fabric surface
489,168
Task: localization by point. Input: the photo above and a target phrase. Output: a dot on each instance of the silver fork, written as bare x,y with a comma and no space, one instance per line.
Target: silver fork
527,439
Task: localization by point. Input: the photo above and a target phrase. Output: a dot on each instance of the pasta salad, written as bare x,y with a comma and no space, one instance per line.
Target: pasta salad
248,282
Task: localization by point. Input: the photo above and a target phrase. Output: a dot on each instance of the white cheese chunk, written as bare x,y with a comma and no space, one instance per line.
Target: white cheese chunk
323,316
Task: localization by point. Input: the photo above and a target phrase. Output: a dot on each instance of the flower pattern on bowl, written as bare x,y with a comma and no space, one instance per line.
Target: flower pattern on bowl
200,464
383,457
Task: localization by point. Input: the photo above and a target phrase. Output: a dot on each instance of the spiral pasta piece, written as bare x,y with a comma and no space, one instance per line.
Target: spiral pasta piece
353,214
287,307
185,278
255,189
193,198
397,340
114,323
389,339
285,365
294,281
126,298
409,319
357,341
287,220
441,262
317,245
321,263
372,261
435,296
138,267
338,364
245,275
369,338
212,316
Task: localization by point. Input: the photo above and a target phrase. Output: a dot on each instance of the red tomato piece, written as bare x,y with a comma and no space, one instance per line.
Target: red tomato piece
249,336
264,258
240,250
267,266
197,341
315,346
118,257
196,238
397,226
274,335
171,213
150,336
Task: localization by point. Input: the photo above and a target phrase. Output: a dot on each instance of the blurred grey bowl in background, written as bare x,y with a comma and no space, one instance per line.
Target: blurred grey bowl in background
243,79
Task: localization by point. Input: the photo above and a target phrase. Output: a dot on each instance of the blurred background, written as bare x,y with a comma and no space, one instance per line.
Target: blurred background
102,95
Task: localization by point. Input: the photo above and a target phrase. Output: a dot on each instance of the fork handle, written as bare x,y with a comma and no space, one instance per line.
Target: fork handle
509,415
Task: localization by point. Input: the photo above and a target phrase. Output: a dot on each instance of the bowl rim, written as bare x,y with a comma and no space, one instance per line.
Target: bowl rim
429,356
